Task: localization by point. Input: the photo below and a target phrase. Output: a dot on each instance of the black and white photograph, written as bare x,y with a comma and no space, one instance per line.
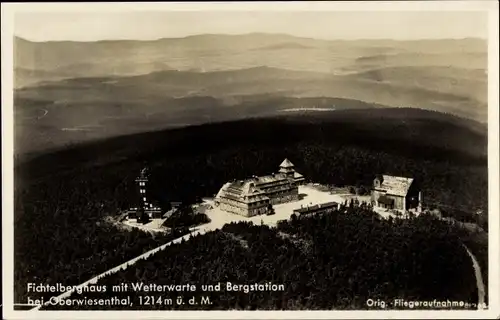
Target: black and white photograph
235,158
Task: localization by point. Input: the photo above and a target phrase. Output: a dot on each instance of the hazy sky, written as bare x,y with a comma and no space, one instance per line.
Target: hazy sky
89,26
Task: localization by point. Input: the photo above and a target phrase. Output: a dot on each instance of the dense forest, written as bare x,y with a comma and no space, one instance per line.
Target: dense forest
331,261
62,233
62,199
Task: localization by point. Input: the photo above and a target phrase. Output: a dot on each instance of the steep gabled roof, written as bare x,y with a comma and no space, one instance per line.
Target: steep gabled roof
286,164
242,191
270,178
251,189
397,186
297,175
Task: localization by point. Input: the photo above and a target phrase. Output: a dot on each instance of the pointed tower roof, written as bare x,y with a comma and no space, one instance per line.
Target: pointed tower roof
286,164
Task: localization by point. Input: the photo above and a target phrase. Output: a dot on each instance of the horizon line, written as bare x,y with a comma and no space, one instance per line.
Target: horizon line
249,34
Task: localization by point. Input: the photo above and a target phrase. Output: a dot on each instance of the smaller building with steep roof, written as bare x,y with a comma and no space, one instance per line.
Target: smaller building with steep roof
399,193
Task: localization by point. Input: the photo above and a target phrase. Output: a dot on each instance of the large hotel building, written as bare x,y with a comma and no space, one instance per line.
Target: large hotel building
256,195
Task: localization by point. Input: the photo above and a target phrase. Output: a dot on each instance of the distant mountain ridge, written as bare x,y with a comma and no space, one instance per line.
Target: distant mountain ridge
216,52
452,90
284,45
69,91
257,35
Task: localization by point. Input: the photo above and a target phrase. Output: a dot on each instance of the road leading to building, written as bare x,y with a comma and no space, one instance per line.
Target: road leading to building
125,265
479,280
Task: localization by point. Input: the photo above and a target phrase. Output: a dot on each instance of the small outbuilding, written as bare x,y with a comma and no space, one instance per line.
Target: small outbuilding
399,193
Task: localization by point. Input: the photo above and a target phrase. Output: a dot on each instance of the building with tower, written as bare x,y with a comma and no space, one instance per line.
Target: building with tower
287,168
144,205
257,194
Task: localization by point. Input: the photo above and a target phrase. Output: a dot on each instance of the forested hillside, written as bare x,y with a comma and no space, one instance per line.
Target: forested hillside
334,261
62,198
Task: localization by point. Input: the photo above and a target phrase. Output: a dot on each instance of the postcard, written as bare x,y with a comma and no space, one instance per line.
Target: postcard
250,160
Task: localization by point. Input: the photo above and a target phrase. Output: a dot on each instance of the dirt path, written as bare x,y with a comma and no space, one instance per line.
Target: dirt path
479,280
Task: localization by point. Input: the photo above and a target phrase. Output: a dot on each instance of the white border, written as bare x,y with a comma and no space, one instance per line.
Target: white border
8,11
475,5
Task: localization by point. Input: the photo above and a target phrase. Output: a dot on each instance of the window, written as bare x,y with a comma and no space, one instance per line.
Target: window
143,191
141,183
